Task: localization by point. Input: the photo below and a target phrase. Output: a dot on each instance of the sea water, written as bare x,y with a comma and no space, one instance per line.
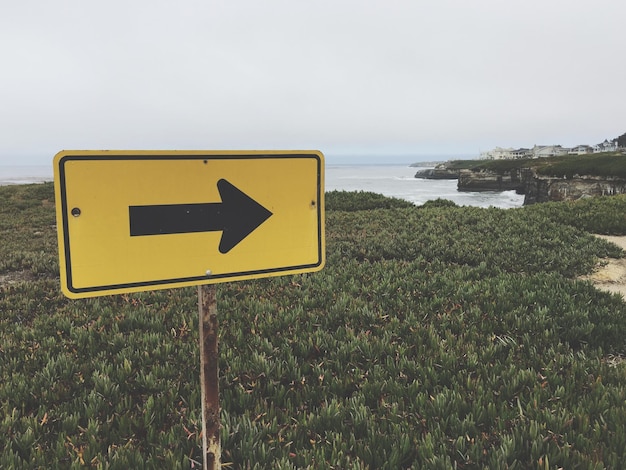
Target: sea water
25,174
391,180
399,181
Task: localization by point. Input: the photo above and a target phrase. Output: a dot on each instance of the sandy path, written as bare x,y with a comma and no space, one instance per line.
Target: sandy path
610,274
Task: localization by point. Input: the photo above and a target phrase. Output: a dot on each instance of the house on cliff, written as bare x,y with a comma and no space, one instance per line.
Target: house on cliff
521,153
542,151
500,153
580,150
605,146
538,151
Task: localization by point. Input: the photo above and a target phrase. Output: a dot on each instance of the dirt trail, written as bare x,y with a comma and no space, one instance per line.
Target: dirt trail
610,274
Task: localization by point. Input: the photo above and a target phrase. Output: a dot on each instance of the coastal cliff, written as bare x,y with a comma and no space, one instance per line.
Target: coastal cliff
563,178
440,172
537,188
487,180
546,189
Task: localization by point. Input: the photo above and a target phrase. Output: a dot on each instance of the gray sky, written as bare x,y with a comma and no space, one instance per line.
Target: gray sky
399,78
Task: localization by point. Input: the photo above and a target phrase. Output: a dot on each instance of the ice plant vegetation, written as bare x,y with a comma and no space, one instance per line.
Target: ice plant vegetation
436,337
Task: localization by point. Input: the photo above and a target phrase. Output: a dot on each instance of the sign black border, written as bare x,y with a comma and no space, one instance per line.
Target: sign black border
213,278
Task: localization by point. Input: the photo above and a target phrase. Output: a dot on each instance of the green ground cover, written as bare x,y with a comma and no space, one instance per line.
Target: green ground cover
436,337
603,164
565,166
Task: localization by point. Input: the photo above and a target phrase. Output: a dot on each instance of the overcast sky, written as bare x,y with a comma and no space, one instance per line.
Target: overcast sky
396,79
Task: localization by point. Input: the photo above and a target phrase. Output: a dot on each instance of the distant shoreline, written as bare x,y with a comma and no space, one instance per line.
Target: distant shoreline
425,164
24,181
25,174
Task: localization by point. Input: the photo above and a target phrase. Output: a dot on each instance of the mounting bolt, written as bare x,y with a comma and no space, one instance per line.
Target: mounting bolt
75,212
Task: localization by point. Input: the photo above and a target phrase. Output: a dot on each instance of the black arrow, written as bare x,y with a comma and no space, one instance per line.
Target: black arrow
236,217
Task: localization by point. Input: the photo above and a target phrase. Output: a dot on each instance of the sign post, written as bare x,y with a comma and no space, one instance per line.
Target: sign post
209,377
131,221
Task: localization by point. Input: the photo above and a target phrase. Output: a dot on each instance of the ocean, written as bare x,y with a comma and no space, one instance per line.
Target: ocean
25,174
391,180
399,181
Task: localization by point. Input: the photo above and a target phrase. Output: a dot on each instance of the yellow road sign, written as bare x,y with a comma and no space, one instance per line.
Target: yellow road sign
130,221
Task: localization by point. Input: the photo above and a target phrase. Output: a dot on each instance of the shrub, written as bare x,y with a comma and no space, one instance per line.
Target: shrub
439,202
361,201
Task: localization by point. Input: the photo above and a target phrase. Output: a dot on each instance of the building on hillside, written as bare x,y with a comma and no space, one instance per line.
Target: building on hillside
537,151
521,153
498,153
542,151
605,146
580,150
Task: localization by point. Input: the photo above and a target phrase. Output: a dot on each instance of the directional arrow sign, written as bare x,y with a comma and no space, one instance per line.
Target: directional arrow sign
139,220
236,216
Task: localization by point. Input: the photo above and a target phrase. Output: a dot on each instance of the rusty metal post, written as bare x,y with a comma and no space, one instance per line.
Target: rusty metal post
209,376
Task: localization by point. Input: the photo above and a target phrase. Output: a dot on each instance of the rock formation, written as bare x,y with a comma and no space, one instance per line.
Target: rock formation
537,188
440,172
525,180
485,180
546,189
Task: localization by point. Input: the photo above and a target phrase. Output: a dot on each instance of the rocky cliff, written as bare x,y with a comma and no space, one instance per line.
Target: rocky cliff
537,188
437,173
486,180
546,189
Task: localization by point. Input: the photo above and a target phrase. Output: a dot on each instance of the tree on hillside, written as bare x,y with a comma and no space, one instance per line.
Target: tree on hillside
621,141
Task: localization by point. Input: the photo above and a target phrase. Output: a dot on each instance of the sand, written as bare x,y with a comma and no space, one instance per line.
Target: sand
610,274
